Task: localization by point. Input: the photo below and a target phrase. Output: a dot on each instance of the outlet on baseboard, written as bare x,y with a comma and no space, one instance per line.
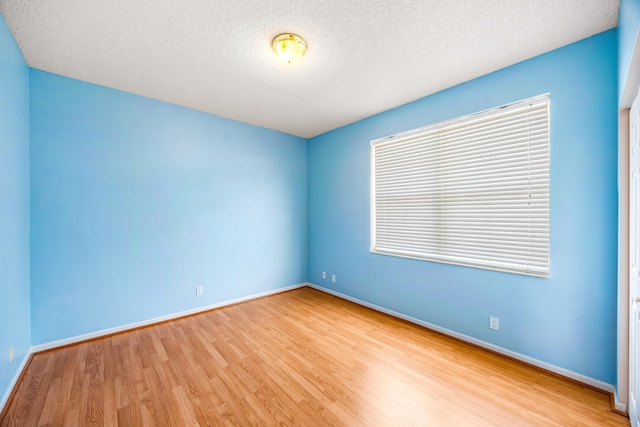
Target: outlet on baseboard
199,291
11,353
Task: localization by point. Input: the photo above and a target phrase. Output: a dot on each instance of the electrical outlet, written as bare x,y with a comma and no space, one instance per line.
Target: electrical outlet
324,274
494,323
199,291
11,353
333,278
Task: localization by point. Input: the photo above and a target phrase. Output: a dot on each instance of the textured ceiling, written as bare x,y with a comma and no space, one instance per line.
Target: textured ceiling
364,56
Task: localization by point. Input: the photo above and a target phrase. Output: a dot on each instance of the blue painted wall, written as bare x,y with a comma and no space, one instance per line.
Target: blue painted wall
628,24
135,202
568,320
14,207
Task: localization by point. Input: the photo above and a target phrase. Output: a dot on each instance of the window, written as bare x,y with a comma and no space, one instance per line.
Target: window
471,191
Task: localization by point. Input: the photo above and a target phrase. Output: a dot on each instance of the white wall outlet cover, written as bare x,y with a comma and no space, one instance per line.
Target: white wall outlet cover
494,323
11,353
324,274
199,291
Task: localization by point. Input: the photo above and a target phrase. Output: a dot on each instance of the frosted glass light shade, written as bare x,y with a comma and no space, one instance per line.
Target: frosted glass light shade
289,47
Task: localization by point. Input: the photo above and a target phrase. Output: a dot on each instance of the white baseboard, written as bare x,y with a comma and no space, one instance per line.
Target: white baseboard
530,360
14,381
92,335
619,405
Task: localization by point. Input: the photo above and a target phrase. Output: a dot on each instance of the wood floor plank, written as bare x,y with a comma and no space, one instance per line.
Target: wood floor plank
297,358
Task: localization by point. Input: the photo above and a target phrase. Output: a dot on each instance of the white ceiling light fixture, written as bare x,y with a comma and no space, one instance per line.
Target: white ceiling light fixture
289,47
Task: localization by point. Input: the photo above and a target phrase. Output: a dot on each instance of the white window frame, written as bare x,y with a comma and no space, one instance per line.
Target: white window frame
506,228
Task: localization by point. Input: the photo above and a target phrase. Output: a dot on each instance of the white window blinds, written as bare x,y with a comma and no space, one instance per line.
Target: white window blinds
471,191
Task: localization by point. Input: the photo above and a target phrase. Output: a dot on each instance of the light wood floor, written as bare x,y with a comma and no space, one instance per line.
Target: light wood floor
297,358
